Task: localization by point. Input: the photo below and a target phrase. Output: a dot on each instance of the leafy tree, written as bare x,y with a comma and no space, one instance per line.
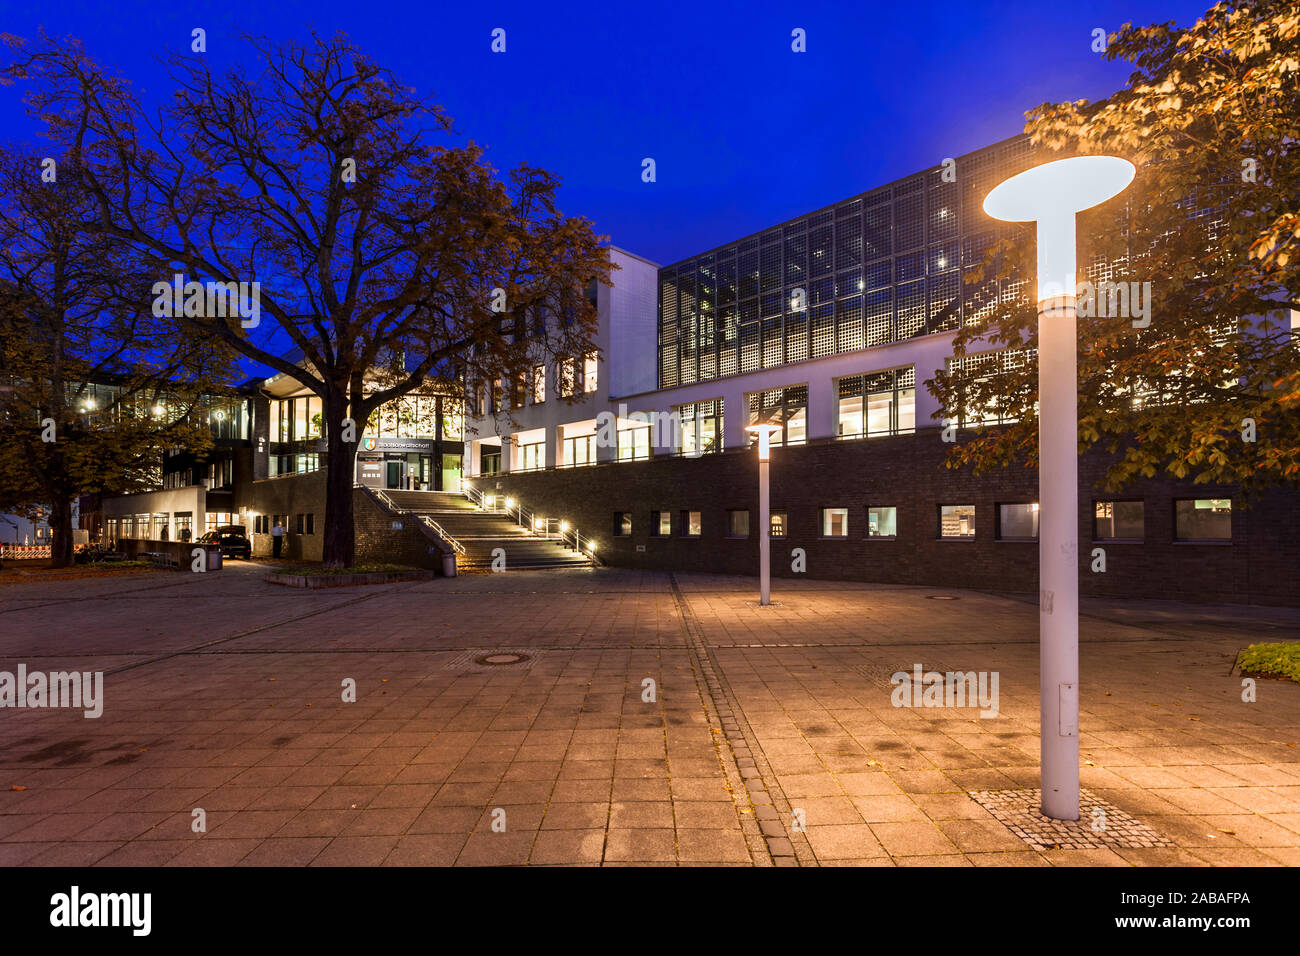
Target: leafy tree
88,394
1212,119
382,256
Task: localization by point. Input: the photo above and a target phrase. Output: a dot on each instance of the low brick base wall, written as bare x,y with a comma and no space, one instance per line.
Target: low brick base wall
179,553
1259,566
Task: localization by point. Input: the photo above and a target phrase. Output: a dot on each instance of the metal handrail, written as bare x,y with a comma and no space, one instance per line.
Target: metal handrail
403,512
456,545
527,519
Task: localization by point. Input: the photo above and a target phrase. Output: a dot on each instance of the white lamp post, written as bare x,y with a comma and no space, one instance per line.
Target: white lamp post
764,432
1051,195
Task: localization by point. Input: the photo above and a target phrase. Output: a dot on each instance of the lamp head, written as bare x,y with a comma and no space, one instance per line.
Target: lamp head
764,431
1052,195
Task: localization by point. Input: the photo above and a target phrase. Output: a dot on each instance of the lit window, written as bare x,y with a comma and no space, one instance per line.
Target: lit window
956,521
835,522
590,364
539,384
1119,521
1018,522
568,372
882,522
634,443
1203,519
622,524
691,524
777,524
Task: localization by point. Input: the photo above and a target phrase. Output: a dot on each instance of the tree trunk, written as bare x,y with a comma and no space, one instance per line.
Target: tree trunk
340,545
61,531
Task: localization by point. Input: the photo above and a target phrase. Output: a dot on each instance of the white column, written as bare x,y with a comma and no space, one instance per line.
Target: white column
764,535
1058,556
823,408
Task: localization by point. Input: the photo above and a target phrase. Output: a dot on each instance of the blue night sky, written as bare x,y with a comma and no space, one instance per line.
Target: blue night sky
744,132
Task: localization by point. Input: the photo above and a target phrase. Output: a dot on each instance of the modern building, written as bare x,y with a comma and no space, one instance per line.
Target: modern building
266,466
829,325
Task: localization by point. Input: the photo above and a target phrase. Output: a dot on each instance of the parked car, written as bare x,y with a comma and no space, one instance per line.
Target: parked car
233,539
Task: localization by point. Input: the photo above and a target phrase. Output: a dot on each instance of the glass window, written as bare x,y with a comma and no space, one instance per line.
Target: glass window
622,524
1018,522
453,420
738,524
691,526
634,443
882,522
539,384
1203,519
1119,521
532,457
777,524
701,427
299,419
568,374
590,364
580,450
956,521
882,403
663,523
787,407
835,522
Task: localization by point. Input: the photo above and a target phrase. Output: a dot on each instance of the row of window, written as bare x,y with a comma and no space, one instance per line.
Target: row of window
303,523
529,388
1195,519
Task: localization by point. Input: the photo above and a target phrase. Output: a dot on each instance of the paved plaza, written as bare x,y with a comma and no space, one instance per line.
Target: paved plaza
621,717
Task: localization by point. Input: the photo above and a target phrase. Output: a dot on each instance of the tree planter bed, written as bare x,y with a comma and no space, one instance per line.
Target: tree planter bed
292,580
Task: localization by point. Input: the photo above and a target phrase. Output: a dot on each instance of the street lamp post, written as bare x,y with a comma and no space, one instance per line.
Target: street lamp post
1051,195
764,432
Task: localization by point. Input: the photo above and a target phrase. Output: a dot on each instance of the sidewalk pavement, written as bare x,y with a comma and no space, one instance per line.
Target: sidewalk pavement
617,717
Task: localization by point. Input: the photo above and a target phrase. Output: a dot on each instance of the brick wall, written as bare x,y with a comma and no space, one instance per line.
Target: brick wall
288,495
376,539
1261,565
378,542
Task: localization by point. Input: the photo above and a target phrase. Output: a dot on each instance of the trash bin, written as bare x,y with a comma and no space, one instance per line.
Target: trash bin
449,565
214,558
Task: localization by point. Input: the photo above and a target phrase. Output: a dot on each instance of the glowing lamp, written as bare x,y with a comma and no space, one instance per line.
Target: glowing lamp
764,431
1051,195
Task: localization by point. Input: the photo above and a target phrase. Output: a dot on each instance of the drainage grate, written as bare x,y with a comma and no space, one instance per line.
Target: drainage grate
492,659
1100,824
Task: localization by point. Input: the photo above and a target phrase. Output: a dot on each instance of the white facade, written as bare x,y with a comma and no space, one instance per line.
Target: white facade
550,433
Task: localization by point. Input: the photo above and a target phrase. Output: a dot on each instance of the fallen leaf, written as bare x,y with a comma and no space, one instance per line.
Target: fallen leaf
1229,832
16,787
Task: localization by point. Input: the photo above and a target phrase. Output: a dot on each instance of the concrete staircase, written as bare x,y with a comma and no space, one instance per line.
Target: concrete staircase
482,532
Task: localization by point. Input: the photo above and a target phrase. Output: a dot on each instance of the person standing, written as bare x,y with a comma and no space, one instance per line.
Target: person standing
277,538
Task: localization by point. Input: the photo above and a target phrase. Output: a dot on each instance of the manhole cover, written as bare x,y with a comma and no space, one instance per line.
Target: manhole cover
492,658
500,659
